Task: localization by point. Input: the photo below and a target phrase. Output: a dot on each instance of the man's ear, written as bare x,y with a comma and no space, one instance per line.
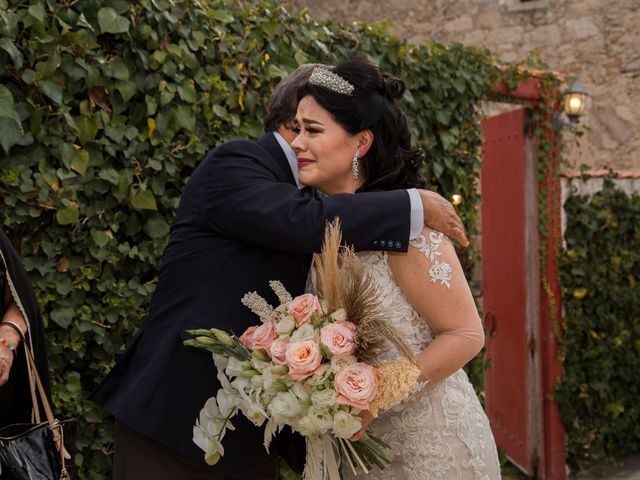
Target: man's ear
365,140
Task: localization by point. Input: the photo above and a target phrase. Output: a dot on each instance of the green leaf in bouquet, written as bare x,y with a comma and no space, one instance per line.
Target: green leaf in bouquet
261,355
326,353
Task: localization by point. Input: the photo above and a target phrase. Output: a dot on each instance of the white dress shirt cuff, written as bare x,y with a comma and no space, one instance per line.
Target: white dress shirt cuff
417,214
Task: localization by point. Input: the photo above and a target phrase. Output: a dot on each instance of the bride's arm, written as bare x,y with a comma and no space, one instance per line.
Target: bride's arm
442,297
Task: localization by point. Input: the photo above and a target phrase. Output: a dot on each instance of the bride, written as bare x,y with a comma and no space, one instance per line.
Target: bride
354,138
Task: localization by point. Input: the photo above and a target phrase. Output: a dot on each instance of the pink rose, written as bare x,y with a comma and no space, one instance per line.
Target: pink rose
338,337
259,337
302,307
278,350
247,337
356,385
303,359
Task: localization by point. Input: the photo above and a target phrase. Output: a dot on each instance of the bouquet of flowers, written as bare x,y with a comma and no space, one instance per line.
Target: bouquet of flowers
310,364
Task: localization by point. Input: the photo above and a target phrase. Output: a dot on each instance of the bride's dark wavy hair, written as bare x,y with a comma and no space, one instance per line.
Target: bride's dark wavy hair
390,163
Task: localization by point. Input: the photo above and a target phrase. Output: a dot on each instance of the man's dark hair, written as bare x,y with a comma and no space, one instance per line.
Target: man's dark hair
284,98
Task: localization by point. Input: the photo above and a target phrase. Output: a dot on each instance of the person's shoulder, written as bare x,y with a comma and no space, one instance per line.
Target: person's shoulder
237,147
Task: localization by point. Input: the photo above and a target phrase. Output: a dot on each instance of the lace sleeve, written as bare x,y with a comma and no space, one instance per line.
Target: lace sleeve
439,271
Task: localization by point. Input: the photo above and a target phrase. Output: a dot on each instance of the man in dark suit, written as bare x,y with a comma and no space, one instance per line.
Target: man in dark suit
242,222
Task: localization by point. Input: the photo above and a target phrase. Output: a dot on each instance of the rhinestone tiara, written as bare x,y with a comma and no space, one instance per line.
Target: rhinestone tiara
327,79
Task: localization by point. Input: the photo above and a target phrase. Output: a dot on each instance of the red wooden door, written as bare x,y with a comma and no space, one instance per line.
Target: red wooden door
510,285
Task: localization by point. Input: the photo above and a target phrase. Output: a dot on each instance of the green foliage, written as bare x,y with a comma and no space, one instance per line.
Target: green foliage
600,271
107,106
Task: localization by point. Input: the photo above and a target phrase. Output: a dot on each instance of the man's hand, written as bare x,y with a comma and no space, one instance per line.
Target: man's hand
366,418
440,215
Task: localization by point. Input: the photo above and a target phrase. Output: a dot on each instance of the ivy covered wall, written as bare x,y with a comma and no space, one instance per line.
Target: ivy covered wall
600,275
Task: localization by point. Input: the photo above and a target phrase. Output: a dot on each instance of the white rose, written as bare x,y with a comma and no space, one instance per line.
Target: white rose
285,404
324,398
304,332
338,364
345,425
285,325
339,315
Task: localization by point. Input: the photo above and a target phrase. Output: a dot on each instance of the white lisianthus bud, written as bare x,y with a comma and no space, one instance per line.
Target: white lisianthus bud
339,315
338,364
285,325
345,425
304,332
279,370
285,404
224,338
324,398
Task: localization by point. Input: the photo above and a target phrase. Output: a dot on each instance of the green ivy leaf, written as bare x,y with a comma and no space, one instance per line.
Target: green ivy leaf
63,316
52,89
185,117
223,16
111,22
6,102
16,55
156,228
87,128
80,161
37,12
144,200
11,133
68,215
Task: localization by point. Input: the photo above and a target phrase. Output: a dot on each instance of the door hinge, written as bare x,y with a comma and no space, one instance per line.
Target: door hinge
532,344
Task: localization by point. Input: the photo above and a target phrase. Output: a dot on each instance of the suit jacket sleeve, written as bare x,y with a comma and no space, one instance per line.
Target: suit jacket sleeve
242,194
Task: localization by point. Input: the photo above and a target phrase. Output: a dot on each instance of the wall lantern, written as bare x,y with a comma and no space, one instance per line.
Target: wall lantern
575,99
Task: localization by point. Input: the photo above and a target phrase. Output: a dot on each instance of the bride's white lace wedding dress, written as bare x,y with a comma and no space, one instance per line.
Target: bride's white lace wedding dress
441,431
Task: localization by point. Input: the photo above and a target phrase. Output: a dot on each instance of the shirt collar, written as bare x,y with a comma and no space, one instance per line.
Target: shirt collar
291,157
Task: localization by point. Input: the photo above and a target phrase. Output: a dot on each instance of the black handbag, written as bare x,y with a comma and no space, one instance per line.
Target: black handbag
34,451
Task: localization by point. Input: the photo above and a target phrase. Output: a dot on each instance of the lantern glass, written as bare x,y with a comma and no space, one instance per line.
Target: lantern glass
574,103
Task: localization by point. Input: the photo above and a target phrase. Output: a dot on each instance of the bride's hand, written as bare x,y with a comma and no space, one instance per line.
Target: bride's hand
440,215
366,418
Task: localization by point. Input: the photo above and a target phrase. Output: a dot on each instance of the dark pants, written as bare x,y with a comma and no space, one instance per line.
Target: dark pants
138,457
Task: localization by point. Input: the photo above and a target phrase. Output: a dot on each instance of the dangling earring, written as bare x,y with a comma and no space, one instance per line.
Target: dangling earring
355,164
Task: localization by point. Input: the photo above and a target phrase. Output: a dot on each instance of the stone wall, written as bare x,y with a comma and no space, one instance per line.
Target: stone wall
597,40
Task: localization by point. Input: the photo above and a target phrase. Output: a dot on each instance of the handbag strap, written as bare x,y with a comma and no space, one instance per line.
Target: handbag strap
54,425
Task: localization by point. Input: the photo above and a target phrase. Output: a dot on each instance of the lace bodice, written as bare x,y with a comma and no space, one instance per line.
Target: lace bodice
440,432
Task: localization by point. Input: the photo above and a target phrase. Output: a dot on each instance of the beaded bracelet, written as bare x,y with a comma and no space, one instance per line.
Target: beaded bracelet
7,344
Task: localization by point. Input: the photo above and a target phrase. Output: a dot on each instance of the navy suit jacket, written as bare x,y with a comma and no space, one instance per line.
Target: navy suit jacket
241,223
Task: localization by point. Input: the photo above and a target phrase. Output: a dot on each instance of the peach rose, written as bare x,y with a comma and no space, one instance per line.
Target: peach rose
260,336
302,307
338,337
247,337
303,359
278,350
356,385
